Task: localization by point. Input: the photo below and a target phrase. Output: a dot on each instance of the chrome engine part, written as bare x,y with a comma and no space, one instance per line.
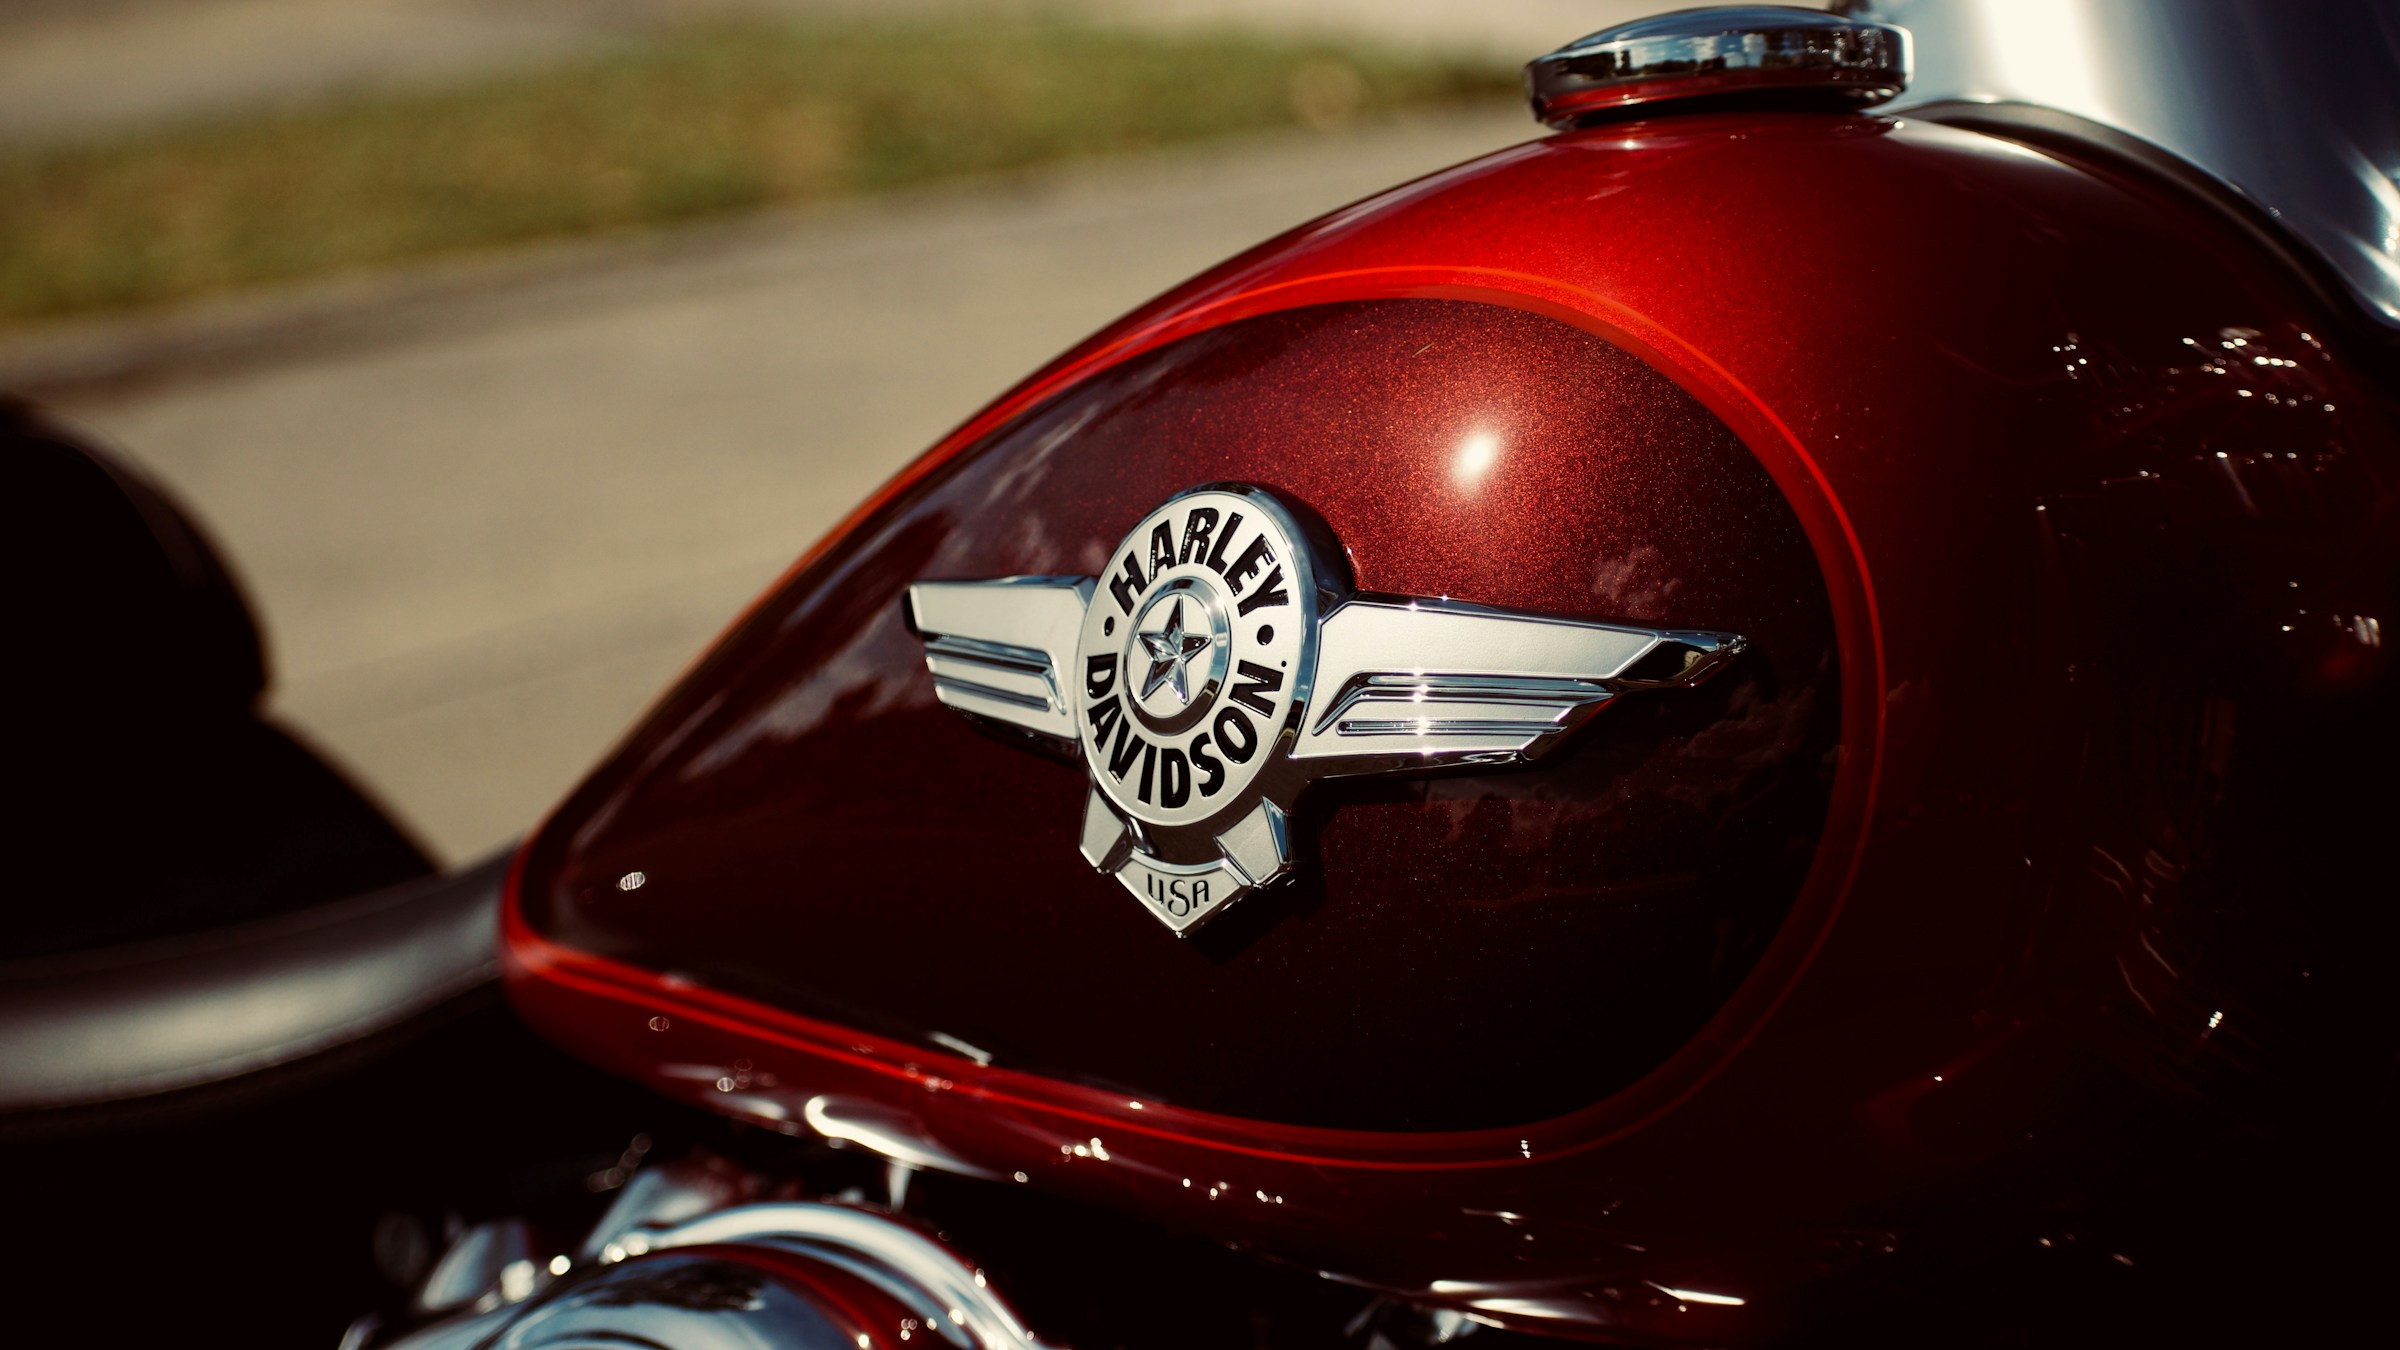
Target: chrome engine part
804,1274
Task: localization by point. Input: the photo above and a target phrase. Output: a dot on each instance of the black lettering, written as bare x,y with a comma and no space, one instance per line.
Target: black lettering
1257,682
1121,755
1216,554
1235,736
1103,716
1100,675
1212,770
1200,894
1269,592
1174,778
1258,555
1149,766
1162,548
1128,584
1196,530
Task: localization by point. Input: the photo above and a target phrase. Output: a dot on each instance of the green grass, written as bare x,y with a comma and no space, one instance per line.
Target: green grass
698,124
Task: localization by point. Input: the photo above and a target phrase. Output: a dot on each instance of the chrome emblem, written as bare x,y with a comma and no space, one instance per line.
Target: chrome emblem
1221,666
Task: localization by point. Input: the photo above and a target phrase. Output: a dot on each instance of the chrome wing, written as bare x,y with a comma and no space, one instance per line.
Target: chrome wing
1002,649
1420,684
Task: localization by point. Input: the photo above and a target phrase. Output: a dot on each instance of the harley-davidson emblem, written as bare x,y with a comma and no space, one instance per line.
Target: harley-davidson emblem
1221,666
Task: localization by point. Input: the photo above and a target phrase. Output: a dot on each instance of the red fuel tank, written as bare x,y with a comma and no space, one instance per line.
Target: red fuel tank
2008,871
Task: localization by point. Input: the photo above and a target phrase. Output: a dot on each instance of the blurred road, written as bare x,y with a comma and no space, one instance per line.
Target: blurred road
78,68
488,510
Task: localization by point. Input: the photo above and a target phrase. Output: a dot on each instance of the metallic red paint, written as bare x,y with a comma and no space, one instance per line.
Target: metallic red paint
2098,508
1546,934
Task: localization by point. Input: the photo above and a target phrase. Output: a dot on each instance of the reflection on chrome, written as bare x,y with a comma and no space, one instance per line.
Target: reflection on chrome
2289,105
1424,683
891,1135
1720,51
1191,800
658,1196
950,1042
477,1264
754,1284
1699,1296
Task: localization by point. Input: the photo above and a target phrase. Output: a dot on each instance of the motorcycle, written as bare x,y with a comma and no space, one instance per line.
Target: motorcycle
1760,722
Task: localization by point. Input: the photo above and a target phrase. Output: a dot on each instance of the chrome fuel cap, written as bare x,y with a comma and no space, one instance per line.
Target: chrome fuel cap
1724,51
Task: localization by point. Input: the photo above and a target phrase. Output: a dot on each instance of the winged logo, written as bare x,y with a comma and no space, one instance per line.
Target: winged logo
1222,666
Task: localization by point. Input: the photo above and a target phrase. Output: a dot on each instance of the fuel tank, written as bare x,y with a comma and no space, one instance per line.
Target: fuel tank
2004,882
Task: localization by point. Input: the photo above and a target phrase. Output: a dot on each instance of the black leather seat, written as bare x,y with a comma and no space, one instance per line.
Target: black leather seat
195,896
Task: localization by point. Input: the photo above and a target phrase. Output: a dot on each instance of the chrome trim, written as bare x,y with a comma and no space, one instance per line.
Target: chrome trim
887,1133
1717,52
1259,845
658,1197
1170,649
1415,685
2293,106
689,1286
472,1267
1178,859
911,1267
1449,683
965,669
680,1301
996,649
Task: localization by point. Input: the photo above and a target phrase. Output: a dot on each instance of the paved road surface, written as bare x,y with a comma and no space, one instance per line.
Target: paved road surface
489,511
79,68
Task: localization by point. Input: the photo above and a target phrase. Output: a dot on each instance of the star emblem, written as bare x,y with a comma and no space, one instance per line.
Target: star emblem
1191,807
1171,651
